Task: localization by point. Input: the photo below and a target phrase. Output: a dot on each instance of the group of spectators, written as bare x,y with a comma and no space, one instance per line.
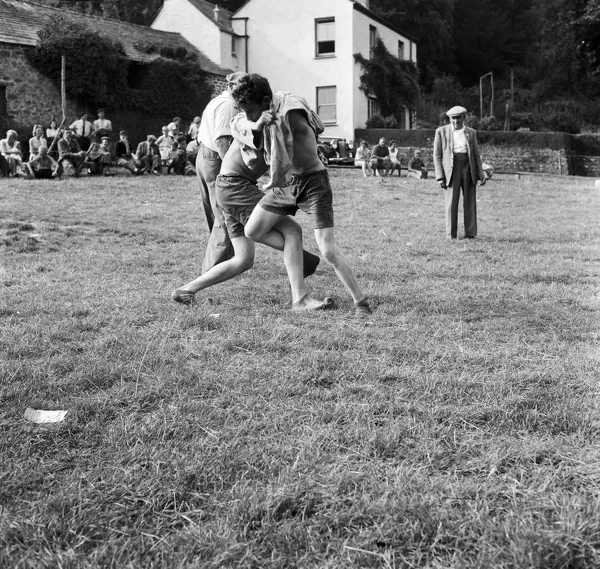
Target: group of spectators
382,160
88,145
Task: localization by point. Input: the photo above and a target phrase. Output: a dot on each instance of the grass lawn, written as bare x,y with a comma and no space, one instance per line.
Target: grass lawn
458,430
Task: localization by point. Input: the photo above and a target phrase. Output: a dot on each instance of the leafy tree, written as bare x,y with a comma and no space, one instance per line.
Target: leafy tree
393,81
431,23
96,66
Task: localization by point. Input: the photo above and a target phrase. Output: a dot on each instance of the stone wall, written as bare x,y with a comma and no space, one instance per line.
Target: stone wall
540,152
30,97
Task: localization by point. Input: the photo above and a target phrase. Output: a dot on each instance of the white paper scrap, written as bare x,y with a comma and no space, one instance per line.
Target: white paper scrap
38,416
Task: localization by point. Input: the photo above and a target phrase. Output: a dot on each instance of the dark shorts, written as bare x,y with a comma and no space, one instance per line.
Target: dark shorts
310,192
42,173
237,197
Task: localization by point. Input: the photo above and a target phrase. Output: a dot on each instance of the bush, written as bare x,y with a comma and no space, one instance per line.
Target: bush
490,123
376,121
391,122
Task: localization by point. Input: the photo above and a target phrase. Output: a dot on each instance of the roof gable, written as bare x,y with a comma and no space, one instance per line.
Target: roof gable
207,9
22,20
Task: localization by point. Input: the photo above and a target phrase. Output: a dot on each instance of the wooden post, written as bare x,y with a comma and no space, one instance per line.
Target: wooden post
63,86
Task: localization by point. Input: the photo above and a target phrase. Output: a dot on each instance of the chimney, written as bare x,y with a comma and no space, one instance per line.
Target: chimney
216,13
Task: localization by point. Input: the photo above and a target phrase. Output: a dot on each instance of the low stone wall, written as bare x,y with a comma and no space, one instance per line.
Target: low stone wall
546,153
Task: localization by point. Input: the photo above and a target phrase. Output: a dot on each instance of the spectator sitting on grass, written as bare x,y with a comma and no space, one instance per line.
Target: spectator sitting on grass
148,155
191,150
178,157
394,160
416,167
380,158
98,157
488,170
70,151
10,148
42,165
36,141
125,158
174,127
363,158
102,126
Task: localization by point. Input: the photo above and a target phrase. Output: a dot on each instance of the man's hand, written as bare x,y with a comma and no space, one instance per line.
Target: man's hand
482,182
265,119
442,184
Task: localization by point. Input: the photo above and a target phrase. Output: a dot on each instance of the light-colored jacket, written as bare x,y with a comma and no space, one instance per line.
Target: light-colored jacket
443,154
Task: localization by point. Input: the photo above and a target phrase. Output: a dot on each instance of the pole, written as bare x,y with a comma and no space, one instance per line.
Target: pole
492,99
480,98
63,86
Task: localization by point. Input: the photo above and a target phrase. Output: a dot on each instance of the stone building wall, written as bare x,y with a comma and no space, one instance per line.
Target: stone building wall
30,97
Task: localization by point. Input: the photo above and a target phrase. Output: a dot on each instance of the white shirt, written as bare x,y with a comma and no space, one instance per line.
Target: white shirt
215,120
459,141
102,124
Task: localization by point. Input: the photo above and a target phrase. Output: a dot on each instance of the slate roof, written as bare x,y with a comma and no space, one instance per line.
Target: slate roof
21,21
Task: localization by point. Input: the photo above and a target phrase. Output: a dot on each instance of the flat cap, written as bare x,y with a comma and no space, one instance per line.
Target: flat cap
455,111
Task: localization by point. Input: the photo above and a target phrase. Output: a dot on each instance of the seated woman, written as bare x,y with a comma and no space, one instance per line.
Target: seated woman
178,157
10,148
363,158
42,165
36,141
52,134
394,160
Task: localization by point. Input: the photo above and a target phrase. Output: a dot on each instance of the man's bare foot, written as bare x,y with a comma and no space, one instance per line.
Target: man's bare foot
307,303
183,296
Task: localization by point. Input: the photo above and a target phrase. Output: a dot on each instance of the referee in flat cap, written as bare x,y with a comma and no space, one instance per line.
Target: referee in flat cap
457,163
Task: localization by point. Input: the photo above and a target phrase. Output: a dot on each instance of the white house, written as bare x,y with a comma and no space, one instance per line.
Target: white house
208,25
306,47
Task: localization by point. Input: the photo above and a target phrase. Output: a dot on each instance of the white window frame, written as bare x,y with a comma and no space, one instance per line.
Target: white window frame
321,90
373,107
401,50
320,25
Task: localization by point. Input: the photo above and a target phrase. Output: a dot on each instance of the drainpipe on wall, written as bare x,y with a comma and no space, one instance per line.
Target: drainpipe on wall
246,41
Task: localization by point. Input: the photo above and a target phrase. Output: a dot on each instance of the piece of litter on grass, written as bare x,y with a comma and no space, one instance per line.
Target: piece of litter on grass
214,316
409,244
39,416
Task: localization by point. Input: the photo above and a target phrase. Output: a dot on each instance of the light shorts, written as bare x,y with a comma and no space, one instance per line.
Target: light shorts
237,196
309,192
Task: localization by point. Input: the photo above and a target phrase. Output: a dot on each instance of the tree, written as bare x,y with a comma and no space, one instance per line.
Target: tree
393,81
431,23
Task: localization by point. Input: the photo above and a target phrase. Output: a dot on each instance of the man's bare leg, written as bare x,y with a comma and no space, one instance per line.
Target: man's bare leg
333,255
242,260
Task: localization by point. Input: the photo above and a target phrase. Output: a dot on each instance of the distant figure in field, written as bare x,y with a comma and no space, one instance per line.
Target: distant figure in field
417,167
165,145
41,165
380,158
99,158
125,157
70,151
457,163
82,131
102,126
148,155
394,160
362,159
36,141
10,149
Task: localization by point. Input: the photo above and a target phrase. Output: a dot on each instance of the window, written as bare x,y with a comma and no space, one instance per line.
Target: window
400,49
233,53
326,104
3,101
136,73
372,39
373,107
325,37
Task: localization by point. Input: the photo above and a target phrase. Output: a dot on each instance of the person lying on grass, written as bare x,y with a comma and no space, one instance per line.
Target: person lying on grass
284,132
237,194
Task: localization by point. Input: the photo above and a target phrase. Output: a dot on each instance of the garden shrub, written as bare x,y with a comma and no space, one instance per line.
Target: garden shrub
376,121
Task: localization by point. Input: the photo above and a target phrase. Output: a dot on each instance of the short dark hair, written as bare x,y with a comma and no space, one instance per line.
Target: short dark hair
123,132
252,88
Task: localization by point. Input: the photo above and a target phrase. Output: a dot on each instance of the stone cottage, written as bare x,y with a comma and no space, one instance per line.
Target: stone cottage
28,97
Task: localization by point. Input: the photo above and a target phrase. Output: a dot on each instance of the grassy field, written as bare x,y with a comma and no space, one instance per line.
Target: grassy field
458,430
